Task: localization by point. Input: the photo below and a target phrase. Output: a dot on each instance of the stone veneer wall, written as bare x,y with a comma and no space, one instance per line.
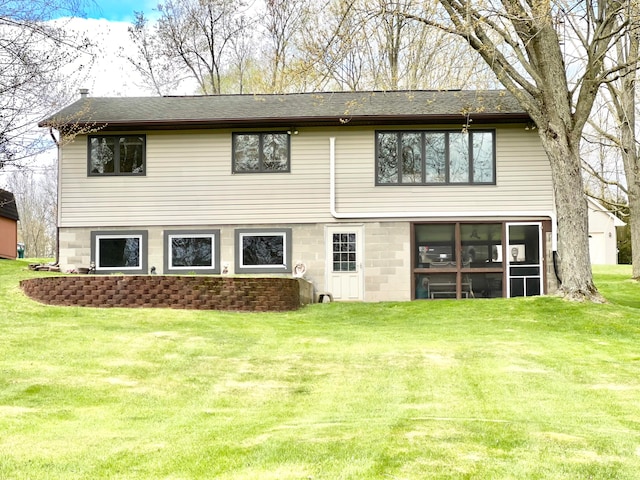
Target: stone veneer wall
203,293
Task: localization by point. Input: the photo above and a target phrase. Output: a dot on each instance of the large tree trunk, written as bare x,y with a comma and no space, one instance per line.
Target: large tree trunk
634,225
571,208
626,110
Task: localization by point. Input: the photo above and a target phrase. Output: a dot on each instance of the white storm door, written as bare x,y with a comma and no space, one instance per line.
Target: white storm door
345,276
524,259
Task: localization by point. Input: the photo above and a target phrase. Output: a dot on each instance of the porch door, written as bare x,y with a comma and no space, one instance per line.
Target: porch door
524,259
344,273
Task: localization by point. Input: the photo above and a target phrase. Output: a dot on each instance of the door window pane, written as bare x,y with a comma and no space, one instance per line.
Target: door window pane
344,252
526,240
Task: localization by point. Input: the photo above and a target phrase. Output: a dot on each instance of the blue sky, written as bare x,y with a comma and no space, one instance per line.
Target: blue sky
118,10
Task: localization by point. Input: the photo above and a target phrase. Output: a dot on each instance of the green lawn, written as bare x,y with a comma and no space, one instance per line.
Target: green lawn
529,388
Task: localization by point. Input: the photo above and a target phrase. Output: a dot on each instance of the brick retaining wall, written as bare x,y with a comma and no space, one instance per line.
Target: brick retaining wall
186,292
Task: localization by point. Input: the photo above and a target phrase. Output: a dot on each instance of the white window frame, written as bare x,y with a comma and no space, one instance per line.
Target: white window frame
285,267
97,237
214,235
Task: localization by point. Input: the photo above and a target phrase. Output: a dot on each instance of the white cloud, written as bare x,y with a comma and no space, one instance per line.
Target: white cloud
110,73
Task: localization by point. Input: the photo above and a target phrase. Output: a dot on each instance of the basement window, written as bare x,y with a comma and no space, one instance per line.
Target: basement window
263,251
119,252
192,251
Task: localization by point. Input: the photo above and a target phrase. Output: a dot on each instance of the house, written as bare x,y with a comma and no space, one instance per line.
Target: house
371,196
8,225
603,240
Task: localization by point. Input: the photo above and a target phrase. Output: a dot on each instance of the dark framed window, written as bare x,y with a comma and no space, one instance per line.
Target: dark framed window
267,152
263,251
117,155
192,251
435,157
119,252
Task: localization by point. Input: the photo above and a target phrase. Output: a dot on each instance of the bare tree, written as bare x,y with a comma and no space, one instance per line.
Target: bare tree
36,195
520,41
158,73
335,51
33,54
371,44
617,132
284,22
243,63
197,35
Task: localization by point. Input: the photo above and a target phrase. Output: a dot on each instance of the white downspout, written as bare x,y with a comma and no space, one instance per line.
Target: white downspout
422,214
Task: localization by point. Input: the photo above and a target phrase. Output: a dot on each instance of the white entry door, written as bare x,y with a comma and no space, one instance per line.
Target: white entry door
345,276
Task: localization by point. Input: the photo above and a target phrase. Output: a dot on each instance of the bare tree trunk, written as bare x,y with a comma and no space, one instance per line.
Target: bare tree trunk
634,226
571,209
520,42
626,109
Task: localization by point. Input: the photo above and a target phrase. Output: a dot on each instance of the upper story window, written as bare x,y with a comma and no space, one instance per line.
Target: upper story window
261,152
117,154
435,157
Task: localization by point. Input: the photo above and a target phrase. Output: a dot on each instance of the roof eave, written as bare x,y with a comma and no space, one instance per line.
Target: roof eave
271,122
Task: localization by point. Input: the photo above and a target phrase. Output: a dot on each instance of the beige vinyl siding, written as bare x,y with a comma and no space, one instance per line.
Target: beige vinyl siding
523,180
188,181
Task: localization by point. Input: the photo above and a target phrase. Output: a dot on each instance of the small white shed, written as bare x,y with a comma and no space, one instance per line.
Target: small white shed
603,241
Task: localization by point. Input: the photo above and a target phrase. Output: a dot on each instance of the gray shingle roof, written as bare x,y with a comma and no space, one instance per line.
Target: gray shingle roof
331,108
8,207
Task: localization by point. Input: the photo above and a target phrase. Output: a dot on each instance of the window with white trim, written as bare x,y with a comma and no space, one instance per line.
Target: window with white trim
192,251
263,250
119,252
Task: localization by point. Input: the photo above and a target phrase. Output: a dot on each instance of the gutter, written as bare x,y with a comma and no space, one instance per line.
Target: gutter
422,214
